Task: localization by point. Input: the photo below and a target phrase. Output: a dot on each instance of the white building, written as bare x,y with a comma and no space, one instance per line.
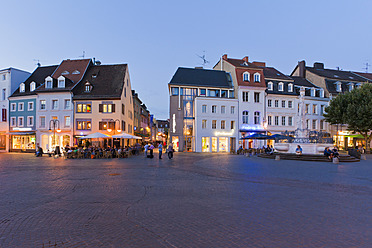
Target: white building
10,79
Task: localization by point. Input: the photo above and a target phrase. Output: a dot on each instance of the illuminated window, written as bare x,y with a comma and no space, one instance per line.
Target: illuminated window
84,108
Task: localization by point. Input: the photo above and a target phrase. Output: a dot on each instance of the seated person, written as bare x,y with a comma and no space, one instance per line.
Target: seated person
39,152
298,150
328,153
239,150
335,152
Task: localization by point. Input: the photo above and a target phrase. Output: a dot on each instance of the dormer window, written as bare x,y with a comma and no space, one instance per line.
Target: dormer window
49,83
338,87
245,63
280,86
351,86
22,87
61,82
65,73
246,76
257,77
290,87
321,93
76,72
87,87
312,91
270,86
358,85
32,86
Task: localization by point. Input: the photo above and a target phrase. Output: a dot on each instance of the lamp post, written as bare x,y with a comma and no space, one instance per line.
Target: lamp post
55,124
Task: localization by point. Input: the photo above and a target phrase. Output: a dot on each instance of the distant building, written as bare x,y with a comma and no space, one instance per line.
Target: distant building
163,130
141,118
10,79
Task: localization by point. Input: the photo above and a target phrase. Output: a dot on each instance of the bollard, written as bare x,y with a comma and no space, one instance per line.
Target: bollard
336,160
277,157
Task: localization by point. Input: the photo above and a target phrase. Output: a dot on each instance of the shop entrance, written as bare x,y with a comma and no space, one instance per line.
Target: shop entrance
232,145
2,142
188,145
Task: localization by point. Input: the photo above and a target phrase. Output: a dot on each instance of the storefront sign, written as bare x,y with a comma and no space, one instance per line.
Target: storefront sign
247,127
224,133
22,129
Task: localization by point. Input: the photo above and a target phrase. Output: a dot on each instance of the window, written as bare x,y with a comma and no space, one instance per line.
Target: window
321,125
204,124
290,120
269,103
214,124
245,117
276,103
314,124
246,76
276,120
67,121
13,121
61,83
257,97
4,77
30,106
283,104
256,117
84,125
214,109
107,108
245,96
42,121
269,120
315,109
312,92
4,115
42,104
290,87
280,86
103,125
3,95
307,124
174,91
22,87
231,93
224,93
321,109
223,109
87,88
122,109
351,86
30,121
223,124
13,107
54,104
49,84
20,122
65,73
232,124
270,86
283,120
76,72
307,109
84,108
214,93
338,87
123,124
203,92
20,106
67,104
204,108
125,92
257,77
290,104
232,110
321,93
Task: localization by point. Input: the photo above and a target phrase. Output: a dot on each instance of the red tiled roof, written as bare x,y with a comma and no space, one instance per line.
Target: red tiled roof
71,66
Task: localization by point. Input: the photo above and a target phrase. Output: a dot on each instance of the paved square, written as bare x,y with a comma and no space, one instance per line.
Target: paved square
194,200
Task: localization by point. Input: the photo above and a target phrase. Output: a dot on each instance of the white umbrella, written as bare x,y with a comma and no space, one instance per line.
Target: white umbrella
122,136
136,137
95,136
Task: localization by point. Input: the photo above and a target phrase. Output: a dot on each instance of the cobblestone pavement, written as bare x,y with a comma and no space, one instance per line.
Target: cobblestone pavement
194,200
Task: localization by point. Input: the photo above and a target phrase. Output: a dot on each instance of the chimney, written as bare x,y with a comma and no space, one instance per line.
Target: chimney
262,64
302,68
318,65
245,59
224,57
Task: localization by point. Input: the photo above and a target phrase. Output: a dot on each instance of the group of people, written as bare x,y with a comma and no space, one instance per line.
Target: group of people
149,150
331,153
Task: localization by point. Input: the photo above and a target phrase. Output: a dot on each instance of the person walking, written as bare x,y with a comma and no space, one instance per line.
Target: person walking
170,151
160,150
146,149
151,151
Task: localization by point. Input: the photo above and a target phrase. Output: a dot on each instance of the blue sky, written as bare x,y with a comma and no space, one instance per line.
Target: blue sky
157,37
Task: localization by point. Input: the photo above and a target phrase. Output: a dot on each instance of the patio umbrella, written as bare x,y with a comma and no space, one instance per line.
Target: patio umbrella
96,135
257,136
122,136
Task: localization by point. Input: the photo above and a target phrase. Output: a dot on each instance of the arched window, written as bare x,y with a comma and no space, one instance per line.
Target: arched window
245,117
32,86
22,87
246,76
312,91
257,77
270,86
256,117
61,82
351,86
280,86
49,82
290,87
87,87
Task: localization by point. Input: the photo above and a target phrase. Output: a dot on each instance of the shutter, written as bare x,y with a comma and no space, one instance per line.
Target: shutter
113,108
101,108
100,124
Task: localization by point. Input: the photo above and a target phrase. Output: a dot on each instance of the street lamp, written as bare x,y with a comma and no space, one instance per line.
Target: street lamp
55,124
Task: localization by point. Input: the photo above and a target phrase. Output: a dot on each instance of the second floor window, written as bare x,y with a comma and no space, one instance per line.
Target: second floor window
204,124
232,124
269,103
269,121
283,104
214,124
54,104
42,121
245,96
256,117
84,108
276,103
283,120
223,124
256,97
214,109
232,109
20,106
290,121
42,104
30,106
223,109
290,104
245,117
83,125
204,108
107,108
67,104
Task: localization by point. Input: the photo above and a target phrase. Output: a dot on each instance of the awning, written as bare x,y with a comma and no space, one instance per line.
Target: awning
96,135
21,133
358,136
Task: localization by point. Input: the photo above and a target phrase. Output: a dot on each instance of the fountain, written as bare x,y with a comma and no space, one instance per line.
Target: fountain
312,142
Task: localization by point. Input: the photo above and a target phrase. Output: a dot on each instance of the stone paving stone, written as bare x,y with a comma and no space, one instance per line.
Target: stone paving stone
194,200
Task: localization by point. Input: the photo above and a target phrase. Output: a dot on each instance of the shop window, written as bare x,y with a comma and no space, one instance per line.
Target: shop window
205,144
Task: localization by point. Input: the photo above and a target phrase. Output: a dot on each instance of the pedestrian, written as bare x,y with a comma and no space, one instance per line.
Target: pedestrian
160,150
151,151
170,151
299,150
146,149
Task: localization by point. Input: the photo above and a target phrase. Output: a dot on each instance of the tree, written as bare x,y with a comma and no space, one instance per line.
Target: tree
354,109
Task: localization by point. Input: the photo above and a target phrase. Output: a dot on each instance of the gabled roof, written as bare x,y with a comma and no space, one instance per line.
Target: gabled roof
107,82
241,63
336,74
38,76
300,81
70,66
201,77
272,73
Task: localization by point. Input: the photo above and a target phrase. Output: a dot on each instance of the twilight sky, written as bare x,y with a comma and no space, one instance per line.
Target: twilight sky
157,37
